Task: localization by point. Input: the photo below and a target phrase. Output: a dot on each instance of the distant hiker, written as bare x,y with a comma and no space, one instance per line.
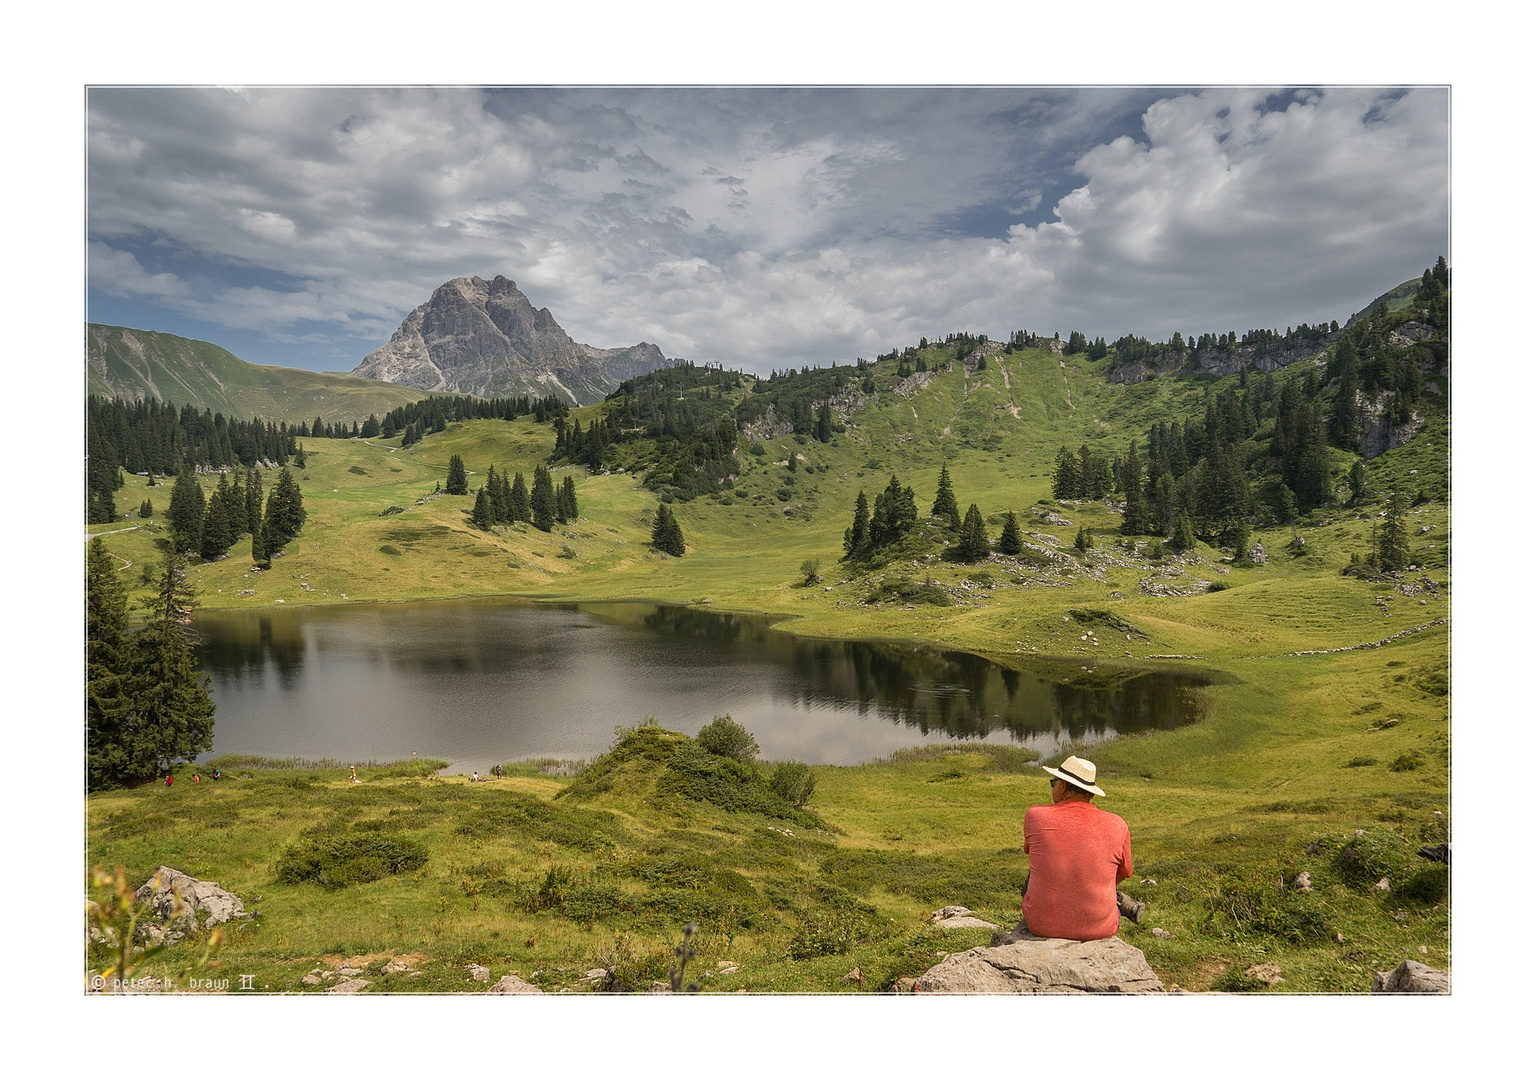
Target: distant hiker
167,779
196,779
497,770
217,775
355,780
1077,855
475,777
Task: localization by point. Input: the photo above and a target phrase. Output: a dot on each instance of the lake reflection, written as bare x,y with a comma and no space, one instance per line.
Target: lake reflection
481,681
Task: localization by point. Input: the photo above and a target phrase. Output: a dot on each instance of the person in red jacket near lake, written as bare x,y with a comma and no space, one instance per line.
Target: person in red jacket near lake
1078,854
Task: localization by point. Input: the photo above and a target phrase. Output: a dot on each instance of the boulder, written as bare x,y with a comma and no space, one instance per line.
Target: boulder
1025,964
1411,977
955,917
198,897
511,984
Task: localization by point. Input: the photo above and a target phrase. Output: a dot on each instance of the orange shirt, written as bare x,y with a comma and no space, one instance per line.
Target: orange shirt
1077,855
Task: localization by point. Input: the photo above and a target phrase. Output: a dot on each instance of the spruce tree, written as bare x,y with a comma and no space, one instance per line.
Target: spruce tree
944,505
481,516
457,483
973,545
146,509
1183,533
184,517
1010,542
1392,552
542,500
666,534
1135,521
172,715
522,506
566,501
285,513
856,536
108,704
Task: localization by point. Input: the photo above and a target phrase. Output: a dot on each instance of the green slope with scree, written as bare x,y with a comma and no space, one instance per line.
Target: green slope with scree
137,364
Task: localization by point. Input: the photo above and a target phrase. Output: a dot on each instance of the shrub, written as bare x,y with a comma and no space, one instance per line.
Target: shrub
388,549
1359,762
726,738
810,571
1374,854
1407,762
336,861
825,933
793,781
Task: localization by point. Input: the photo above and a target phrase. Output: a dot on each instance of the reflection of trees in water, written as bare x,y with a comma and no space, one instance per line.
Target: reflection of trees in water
239,648
968,696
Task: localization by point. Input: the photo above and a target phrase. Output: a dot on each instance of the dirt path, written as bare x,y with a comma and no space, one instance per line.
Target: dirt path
1071,407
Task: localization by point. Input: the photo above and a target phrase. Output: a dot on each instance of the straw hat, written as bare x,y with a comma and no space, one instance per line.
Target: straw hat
1077,772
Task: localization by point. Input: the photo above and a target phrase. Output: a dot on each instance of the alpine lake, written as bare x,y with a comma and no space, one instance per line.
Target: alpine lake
482,681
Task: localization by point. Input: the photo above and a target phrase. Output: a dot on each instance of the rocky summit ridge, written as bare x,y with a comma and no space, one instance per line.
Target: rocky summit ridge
474,336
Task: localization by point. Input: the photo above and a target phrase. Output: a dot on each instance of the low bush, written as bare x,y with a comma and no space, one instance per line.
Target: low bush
338,860
793,781
727,738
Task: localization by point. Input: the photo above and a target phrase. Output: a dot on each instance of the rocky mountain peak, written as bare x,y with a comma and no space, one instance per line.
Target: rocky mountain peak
474,336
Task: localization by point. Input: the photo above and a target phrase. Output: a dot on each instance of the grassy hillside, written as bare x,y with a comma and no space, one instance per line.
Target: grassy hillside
540,875
136,364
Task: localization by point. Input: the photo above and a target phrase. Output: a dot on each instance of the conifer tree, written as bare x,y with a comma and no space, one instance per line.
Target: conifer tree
566,501
107,692
252,500
973,545
1392,552
666,534
522,506
285,513
856,536
457,483
1183,533
172,715
1010,542
944,505
1135,521
481,516
184,517
542,500
146,509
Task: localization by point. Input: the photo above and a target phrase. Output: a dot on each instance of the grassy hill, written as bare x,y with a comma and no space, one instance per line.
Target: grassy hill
1333,716
136,364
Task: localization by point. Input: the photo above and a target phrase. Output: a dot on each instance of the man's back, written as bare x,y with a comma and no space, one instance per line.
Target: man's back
1077,855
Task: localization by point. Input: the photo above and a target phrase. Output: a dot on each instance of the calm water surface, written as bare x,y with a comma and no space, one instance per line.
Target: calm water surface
481,681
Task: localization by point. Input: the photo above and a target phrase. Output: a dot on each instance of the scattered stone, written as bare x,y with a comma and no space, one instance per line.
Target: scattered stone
396,966
1411,977
1338,937
351,986
1384,885
727,967
1033,965
1264,973
1257,555
312,979
595,975
855,976
955,917
348,971
478,973
1161,934
1303,882
904,985
511,984
1149,881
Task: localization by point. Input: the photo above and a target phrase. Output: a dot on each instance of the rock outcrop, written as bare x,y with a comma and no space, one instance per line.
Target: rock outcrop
200,901
1411,977
1032,965
484,337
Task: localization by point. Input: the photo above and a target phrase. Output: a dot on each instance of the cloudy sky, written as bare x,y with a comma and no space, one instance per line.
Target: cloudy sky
757,228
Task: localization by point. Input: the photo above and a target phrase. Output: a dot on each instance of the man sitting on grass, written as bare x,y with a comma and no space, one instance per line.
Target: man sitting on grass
1077,855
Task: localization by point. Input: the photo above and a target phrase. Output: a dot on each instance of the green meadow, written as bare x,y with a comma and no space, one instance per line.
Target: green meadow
1323,747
